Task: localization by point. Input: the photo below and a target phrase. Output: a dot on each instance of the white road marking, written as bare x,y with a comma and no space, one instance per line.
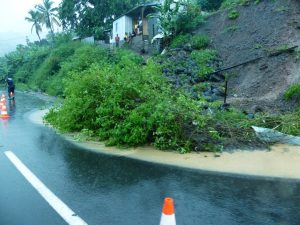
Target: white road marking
59,206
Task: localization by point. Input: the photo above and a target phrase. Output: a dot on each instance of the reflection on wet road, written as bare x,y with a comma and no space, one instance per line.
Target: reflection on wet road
115,190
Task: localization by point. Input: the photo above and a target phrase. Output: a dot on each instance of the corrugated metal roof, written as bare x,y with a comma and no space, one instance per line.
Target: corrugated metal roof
138,8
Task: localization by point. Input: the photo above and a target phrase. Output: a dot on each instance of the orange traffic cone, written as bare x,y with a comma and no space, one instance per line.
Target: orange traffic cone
4,114
2,101
168,213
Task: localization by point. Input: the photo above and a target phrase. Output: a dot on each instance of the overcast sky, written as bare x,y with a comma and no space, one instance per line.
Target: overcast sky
13,26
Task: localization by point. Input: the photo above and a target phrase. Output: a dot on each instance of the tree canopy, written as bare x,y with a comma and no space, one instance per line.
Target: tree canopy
87,17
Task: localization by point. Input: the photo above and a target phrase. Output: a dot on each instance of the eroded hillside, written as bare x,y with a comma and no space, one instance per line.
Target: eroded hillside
258,30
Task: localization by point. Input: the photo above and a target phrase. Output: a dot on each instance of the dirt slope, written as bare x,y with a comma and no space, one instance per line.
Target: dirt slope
259,27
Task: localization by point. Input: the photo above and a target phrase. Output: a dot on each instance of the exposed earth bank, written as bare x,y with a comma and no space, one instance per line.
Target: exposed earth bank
259,29
282,161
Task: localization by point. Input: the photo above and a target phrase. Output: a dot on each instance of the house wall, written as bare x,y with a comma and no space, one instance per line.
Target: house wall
152,27
128,25
120,26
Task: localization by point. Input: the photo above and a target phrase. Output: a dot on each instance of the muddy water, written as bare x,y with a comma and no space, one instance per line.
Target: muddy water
280,161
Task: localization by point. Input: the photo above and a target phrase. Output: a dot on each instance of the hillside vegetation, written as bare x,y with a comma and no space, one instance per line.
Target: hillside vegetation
173,101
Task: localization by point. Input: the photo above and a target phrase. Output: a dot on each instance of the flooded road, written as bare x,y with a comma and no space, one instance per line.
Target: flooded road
112,190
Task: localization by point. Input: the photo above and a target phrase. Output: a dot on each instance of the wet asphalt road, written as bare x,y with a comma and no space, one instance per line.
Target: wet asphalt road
109,190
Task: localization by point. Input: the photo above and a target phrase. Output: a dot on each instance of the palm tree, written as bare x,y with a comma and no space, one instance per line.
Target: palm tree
35,18
49,14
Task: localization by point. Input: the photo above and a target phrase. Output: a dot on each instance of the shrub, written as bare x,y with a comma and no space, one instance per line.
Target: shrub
180,40
277,50
203,59
200,41
231,3
126,104
34,58
51,66
233,14
209,5
188,19
234,3
286,123
293,92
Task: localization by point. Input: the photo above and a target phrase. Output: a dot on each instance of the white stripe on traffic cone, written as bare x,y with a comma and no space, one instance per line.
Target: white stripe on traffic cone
4,114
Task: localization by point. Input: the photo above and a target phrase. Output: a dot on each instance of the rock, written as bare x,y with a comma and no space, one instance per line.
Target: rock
214,97
271,135
207,93
218,91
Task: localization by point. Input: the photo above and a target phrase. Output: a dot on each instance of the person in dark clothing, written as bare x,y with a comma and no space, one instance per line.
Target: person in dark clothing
10,87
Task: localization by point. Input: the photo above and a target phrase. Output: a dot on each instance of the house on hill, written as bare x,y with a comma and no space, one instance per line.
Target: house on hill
137,22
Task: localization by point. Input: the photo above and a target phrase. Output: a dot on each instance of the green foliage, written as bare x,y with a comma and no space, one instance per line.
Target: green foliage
297,54
289,123
177,17
99,33
293,92
196,41
45,78
84,56
209,5
277,50
36,18
33,60
231,3
257,2
258,46
233,14
200,41
189,18
286,123
47,15
203,57
234,3
180,40
126,104
23,62
89,18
